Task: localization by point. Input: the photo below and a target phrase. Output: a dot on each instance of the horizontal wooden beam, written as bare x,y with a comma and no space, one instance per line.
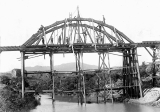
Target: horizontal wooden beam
86,48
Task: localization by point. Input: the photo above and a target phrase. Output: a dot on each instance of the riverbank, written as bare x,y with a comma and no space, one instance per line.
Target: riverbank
151,98
11,99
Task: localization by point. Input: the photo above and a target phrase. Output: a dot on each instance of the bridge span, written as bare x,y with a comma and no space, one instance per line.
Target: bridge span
86,35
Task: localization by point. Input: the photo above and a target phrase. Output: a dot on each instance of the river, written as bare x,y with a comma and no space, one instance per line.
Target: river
46,106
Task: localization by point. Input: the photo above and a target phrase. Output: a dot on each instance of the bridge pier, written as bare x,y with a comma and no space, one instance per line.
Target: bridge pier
131,75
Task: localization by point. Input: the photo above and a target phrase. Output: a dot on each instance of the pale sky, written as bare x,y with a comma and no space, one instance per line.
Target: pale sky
19,19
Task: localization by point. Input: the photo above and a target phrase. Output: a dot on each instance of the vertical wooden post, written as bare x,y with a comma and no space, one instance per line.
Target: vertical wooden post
139,77
98,92
83,79
78,16
80,79
127,73
103,34
124,72
22,72
84,89
109,72
131,73
99,62
77,77
154,67
52,74
104,79
135,88
111,87
0,53
64,40
0,61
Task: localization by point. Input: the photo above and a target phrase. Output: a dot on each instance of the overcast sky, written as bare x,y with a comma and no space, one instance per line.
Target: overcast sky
19,19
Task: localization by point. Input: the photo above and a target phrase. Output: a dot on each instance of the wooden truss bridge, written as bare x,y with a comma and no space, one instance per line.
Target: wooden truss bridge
86,35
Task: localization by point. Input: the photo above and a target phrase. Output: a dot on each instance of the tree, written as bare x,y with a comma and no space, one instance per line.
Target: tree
5,80
143,70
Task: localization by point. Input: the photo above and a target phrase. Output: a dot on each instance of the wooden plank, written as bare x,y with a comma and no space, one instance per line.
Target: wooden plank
148,52
62,48
108,36
33,91
31,40
89,35
40,38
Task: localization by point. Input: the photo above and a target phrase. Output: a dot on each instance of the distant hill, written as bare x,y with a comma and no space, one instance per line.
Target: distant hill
62,67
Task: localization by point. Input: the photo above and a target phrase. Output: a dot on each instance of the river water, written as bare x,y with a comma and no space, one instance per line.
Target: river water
46,106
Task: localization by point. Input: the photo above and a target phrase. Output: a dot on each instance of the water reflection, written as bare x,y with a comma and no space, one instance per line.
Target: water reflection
140,108
46,106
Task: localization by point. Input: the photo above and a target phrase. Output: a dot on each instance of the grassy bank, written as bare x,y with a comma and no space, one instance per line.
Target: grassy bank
12,102
10,97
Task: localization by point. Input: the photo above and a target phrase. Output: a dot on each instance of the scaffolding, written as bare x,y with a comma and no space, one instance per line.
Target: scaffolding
86,35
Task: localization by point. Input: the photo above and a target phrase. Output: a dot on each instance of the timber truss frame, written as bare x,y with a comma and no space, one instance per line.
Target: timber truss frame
74,35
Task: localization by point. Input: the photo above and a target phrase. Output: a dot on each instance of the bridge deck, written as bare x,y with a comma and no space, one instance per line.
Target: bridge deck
86,48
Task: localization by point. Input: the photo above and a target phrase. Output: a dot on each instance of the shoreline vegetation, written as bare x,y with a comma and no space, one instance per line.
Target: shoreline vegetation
11,100
10,97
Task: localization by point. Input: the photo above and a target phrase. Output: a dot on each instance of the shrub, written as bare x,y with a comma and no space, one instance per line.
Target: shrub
11,97
5,80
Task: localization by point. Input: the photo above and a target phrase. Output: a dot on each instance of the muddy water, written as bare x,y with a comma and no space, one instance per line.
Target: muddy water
46,106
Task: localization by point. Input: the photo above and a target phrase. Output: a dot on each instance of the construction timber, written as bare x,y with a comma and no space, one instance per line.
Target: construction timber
85,35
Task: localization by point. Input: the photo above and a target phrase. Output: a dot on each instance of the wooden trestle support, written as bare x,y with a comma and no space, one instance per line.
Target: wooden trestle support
105,70
131,75
81,94
24,74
